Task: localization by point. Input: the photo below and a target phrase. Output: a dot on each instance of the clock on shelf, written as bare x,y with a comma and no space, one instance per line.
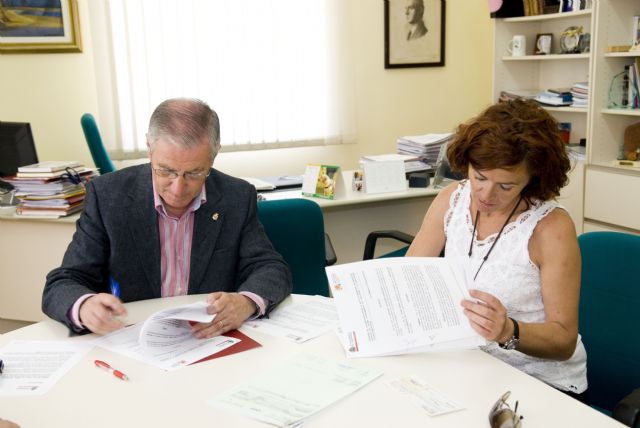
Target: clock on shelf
570,40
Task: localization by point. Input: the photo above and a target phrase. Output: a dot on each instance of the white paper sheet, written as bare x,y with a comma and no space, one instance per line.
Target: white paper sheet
423,395
33,367
299,322
165,339
295,390
401,305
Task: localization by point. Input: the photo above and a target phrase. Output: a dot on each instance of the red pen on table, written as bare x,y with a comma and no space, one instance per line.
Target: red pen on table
116,373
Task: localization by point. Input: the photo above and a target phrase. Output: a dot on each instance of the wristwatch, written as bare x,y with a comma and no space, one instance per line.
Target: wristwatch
512,342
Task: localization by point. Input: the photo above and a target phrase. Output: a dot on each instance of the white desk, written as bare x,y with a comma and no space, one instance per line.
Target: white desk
89,397
30,248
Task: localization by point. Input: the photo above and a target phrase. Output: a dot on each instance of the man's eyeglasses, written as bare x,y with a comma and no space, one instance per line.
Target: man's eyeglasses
501,415
172,174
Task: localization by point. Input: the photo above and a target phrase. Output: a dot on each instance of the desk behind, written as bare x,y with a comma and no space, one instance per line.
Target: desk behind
30,248
88,397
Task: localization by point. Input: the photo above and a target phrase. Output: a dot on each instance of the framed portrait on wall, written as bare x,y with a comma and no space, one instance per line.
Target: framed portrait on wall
414,33
28,26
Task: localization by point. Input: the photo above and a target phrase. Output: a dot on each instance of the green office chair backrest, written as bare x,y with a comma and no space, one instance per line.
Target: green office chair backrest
296,230
610,315
96,147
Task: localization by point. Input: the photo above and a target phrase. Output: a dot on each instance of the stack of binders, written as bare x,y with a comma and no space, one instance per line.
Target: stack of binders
50,189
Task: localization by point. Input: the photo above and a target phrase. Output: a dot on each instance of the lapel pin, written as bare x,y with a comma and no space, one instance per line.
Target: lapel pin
215,216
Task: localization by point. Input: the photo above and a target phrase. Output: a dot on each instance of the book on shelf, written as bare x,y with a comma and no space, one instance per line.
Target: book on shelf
81,171
552,101
402,305
48,211
625,86
48,166
618,48
564,96
560,91
512,94
551,6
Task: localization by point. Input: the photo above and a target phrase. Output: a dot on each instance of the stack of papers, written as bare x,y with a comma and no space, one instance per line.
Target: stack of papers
412,163
293,391
50,189
392,306
259,184
554,98
165,339
33,367
580,92
425,147
298,322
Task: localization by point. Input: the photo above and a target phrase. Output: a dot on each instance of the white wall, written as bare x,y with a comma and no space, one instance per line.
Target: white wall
52,91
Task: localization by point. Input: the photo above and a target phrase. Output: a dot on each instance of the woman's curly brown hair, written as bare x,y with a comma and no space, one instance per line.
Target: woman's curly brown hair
507,134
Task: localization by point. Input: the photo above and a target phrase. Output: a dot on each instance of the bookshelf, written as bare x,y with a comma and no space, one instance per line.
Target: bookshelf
539,72
602,196
611,198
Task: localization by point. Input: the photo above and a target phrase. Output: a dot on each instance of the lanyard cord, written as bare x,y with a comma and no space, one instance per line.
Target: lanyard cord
473,235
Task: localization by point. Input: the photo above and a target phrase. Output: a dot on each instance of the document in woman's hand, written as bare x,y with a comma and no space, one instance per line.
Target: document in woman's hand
402,305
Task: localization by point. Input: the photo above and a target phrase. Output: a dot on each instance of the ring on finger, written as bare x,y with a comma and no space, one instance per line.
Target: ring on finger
221,324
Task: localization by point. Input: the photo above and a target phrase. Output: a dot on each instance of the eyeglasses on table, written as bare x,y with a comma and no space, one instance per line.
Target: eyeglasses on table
502,416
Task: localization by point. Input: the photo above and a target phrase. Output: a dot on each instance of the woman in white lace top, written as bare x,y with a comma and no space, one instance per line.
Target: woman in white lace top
521,245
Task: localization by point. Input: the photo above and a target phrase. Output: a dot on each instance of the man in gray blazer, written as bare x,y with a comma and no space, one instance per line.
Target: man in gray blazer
172,227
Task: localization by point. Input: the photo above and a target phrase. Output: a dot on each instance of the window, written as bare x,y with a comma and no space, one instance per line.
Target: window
277,72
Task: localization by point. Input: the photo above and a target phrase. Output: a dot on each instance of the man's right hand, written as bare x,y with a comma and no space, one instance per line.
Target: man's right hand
7,424
98,313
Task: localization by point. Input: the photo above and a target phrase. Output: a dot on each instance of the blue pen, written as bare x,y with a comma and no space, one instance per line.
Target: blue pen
115,287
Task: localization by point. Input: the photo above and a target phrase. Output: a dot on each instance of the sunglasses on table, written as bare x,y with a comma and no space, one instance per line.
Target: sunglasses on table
501,415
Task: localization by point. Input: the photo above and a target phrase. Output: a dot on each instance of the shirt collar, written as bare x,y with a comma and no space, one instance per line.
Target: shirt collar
158,203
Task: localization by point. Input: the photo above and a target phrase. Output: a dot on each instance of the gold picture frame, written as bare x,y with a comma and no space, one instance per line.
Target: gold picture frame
45,26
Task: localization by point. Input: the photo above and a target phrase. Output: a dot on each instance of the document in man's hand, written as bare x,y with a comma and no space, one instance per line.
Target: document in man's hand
392,306
165,339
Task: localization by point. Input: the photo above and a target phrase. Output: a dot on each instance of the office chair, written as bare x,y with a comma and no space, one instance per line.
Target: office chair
372,239
94,141
610,322
296,230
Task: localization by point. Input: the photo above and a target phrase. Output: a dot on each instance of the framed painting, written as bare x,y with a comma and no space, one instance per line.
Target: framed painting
414,33
34,26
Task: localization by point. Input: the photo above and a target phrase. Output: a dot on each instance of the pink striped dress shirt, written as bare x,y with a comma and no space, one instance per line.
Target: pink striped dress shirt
175,245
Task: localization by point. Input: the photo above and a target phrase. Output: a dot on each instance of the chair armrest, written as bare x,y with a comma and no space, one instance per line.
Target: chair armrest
627,410
370,244
329,252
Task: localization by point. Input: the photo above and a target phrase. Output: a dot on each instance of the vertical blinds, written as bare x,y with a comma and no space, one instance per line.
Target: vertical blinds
277,72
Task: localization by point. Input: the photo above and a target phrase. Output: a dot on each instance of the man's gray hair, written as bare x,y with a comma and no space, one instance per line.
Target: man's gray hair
185,121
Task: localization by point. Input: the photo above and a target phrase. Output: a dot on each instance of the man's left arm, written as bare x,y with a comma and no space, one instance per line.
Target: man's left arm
261,269
263,279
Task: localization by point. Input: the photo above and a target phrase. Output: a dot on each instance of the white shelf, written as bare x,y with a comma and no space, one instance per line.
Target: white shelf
551,57
567,109
631,54
622,111
549,16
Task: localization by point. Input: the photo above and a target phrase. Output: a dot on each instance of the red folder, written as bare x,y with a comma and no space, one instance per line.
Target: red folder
245,344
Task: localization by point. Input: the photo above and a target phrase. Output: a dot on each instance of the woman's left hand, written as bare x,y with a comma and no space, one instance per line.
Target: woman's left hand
488,317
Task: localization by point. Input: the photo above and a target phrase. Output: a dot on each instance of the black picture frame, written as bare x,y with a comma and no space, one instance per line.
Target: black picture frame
411,38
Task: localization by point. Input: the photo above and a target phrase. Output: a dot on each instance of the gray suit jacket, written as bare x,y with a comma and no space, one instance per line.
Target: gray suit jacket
117,235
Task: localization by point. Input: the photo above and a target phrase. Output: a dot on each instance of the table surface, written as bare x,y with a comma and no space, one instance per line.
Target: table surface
89,397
